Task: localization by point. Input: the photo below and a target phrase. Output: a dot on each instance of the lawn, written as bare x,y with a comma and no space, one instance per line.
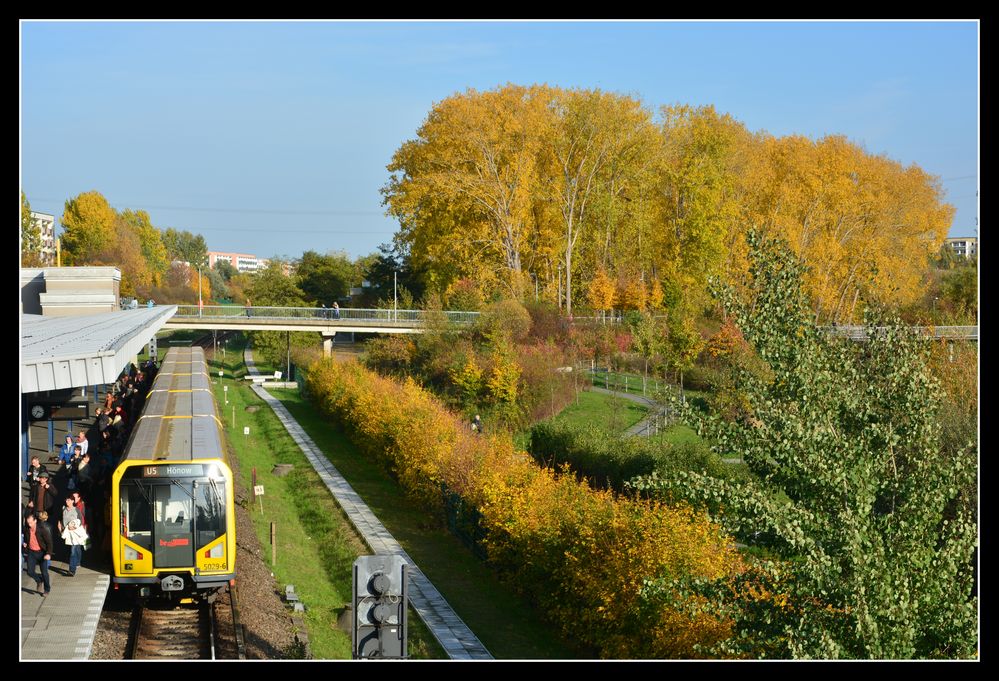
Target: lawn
316,545
509,627
615,414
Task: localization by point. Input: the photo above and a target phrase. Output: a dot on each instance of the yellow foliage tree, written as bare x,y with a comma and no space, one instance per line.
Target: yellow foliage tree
89,224
601,291
631,294
865,225
656,295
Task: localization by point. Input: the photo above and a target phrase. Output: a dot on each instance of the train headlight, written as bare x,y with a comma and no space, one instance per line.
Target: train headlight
132,554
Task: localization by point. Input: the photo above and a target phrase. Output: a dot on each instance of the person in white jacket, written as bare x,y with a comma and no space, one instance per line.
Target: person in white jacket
73,534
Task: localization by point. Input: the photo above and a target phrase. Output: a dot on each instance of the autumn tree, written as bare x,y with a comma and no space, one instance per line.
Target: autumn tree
858,504
601,291
124,251
150,243
594,131
463,191
695,186
863,224
88,221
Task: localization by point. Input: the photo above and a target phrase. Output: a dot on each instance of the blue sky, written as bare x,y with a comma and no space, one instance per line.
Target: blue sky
272,138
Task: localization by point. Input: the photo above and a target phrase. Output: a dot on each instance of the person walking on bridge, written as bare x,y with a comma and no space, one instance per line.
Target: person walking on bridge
336,310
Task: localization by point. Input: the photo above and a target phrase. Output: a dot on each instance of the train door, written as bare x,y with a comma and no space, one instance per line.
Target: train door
173,524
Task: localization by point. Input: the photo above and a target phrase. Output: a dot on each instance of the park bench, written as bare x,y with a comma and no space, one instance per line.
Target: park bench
260,378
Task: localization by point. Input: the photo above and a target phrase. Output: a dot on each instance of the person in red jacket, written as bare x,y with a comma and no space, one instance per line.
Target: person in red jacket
38,544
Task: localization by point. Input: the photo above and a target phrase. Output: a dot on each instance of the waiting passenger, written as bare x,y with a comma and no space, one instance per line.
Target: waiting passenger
73,534
81,440
43,497
84,474
38,545
34,469
66,452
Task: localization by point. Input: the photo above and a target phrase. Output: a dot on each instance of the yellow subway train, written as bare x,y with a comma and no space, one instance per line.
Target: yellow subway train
173,519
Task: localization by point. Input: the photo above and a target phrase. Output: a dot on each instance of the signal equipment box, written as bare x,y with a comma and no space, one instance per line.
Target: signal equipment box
379,597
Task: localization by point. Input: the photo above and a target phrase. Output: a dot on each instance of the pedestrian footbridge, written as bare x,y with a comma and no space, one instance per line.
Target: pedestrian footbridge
323,320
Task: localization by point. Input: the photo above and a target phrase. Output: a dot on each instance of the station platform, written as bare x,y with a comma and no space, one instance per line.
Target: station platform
61,626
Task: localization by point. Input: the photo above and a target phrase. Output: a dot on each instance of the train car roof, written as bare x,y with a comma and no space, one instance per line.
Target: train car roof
179,421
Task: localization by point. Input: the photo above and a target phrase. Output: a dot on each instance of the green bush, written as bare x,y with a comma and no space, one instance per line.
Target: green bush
608,460
505,318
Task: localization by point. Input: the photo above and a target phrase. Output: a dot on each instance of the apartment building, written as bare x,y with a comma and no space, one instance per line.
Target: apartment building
243,262
964,246
46,226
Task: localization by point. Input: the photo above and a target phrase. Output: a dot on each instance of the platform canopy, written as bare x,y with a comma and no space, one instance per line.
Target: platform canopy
72,352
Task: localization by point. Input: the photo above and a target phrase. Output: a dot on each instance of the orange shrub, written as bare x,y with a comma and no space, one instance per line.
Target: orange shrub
582,555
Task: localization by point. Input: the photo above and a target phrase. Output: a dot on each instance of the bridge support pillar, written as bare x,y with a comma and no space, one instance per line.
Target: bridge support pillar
328,344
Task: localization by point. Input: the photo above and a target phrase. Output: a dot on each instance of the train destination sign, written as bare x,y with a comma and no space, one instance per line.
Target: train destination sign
173,471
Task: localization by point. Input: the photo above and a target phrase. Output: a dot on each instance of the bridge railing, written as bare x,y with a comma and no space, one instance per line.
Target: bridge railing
373,317
944,332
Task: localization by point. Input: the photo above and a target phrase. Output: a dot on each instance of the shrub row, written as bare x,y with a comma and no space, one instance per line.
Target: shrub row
608,460
582,556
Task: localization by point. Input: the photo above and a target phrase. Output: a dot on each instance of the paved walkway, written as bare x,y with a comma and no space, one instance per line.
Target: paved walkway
454,635
642,427
62,625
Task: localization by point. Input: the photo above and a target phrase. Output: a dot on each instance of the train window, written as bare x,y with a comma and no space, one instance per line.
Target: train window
210,509
172,525
137,515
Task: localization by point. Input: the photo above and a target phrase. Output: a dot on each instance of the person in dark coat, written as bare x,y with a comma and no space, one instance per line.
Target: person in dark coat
34,470
44,495
38,546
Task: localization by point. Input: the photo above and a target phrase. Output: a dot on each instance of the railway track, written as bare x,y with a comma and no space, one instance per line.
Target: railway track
185,632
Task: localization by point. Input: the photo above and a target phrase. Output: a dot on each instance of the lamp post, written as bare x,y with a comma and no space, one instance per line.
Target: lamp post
395,295
200,303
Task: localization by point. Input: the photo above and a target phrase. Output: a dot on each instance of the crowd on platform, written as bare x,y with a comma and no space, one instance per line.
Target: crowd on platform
67,509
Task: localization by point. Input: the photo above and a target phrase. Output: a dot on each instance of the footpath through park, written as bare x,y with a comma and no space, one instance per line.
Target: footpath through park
450,631
643,426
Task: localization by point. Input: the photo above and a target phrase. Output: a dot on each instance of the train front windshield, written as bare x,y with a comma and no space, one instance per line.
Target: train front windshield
172,517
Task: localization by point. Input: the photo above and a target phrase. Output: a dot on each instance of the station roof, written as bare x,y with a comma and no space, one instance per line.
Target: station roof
76,351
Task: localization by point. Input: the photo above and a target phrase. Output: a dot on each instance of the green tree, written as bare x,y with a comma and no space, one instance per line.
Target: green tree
859,505
225,270
272,289
185,246
960,292
649,339
325,278
88,222
31,236
220,291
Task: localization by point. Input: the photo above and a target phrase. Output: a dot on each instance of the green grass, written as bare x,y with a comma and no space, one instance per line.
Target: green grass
626,382
507,626
607,411
677,434
316,546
